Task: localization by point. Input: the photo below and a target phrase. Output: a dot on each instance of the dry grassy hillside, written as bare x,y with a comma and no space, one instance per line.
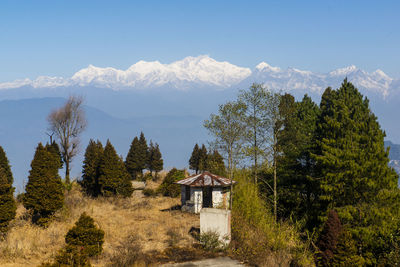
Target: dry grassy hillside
128,224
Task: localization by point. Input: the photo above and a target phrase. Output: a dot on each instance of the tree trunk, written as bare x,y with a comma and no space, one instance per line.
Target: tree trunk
67,181
275,193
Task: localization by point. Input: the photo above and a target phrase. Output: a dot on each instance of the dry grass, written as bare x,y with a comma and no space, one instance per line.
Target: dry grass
155,230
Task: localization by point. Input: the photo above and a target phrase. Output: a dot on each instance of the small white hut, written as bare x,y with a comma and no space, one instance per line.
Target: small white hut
204,190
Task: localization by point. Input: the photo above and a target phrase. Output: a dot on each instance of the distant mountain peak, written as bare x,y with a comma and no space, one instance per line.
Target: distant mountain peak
205,72
344,71
264,66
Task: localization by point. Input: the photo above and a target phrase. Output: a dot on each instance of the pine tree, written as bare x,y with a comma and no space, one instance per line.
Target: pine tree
195,159
143,152
86,235
44,190
7,202
156,162
133,159
150,158
328,239
114,178
298,190
203,158
138,156
4,163
55,150
216,163
91,168
352,166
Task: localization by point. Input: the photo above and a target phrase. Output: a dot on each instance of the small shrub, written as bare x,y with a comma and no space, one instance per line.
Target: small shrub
173,237
168,186
210,241
148,192
70,256
86,235
128,252
147,176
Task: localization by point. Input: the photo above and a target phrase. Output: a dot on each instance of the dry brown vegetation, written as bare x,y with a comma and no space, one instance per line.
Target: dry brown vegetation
140,225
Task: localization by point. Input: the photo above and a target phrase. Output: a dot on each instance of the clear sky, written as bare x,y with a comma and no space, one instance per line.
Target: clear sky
57,38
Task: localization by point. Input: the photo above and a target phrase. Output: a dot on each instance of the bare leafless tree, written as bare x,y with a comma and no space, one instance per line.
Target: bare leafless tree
67,123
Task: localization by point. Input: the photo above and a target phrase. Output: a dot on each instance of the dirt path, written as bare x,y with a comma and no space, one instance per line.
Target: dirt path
216,262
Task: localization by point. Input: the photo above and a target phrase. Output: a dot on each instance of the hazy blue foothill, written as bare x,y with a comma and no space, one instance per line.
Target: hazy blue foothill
172,118
23,124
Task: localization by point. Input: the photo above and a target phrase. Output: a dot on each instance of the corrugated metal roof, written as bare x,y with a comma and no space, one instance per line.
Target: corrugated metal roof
206,179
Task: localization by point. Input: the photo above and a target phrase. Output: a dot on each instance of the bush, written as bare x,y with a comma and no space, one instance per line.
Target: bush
128,252
148,192
86,235
70,256
168,186
210,241
256,237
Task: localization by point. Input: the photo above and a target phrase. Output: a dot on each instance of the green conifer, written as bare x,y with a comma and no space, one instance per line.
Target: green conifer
7,202
114,178
168,186
133,159
143,152
86,235
195,159
216,163
298,189
203,158
4,163
138,157
352,167
44,190
91,168
157,162
55,150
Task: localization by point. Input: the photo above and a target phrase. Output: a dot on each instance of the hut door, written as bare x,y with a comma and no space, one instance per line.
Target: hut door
207,197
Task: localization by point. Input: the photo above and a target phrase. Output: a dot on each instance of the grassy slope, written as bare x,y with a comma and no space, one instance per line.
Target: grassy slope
29,245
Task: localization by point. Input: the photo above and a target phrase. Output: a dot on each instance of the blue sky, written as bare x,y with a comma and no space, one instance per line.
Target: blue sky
57,38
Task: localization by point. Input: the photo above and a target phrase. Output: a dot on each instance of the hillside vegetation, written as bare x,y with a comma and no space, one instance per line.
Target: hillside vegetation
127,223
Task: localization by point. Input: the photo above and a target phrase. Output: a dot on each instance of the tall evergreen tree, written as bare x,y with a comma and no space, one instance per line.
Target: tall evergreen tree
298,189
352,166
44,190
4,163
55,150
216,163
195,159
138,156
91,168
7,202
133,159
114,178
150,157
143,152
156,161
203,158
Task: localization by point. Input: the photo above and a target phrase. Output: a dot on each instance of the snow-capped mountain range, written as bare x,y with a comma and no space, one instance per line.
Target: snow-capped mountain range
203,71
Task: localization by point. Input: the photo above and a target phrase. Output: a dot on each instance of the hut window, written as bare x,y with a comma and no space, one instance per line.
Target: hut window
187,192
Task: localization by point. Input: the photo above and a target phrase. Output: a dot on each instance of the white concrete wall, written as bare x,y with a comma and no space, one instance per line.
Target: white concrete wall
216,220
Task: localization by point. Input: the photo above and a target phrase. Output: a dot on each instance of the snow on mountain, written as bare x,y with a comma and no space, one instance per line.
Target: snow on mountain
294,79
203,71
